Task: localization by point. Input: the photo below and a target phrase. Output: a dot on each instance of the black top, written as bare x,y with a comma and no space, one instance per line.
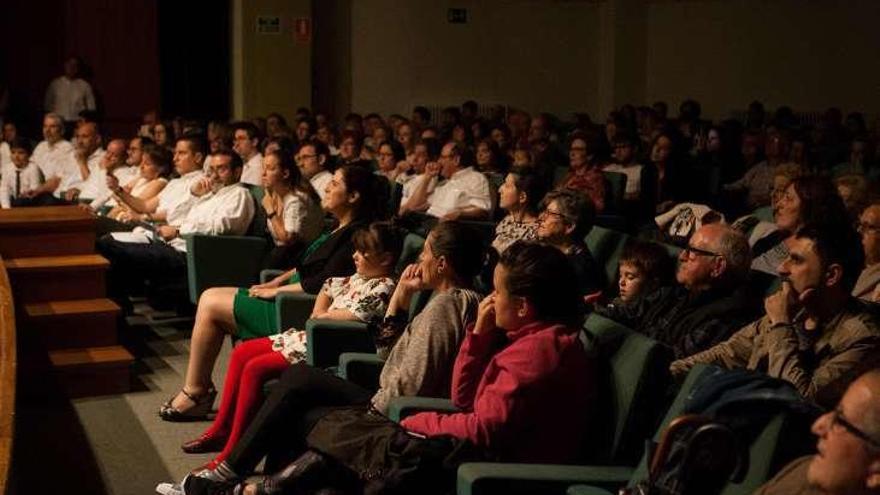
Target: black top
332,259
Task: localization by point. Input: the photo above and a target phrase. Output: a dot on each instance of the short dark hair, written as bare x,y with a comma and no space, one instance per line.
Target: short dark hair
432,145
542,275
379,238
248,127
160,156
575,209
465,155
530,182
651,259
235,161
837,242
422,112
196,143
463,247
819,200
396,149
20,143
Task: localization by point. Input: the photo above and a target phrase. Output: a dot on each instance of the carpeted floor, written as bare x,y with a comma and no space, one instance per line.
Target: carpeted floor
111,444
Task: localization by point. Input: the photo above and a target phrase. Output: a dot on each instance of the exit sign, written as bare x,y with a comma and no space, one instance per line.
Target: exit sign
456,16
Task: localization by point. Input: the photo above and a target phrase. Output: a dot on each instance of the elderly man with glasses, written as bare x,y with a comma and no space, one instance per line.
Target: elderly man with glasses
848,452
814,334
710,300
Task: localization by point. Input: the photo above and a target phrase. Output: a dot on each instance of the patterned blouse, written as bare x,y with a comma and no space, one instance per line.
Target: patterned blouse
366,298
510,230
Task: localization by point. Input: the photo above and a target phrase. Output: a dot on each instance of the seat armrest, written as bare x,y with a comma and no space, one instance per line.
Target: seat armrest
328,339
209,262
401,407
268,274
586,490
362,368
492,477
293,309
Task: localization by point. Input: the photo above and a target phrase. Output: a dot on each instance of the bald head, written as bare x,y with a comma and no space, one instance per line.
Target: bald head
867,389
699,270
115,154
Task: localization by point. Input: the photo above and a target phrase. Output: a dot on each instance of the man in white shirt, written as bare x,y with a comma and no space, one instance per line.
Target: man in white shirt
68,95
20,176
112,162
10,132
83,162
463,195
246,141
312,160
172,204
223,207
50,155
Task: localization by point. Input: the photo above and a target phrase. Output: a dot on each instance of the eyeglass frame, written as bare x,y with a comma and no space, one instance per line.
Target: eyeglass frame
691,252
838,419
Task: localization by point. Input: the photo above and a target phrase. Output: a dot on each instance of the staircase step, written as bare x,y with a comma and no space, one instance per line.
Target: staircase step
75,323
93,370
46,231
56,278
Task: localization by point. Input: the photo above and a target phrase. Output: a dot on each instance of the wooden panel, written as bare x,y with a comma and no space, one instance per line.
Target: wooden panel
55,264
73,324
93,371
46,231
73,283
7,377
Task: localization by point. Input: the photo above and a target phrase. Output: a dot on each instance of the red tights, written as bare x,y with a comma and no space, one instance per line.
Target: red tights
253,363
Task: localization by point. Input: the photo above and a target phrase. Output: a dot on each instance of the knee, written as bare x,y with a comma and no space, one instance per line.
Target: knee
213,300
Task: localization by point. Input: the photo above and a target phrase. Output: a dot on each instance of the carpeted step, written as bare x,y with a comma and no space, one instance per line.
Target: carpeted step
75,323
46,231
93,370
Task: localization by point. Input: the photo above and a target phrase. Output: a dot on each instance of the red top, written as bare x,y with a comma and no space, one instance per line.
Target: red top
530,401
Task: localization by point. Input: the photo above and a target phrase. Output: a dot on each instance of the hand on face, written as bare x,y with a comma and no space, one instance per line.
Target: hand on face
485,316
432,169
411,278
781,305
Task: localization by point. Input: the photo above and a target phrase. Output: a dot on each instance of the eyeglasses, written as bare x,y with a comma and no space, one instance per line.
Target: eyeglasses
300,158
547,212
867,227
692,252
838,419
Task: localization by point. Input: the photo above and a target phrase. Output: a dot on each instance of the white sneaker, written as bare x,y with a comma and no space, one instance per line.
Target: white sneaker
169,489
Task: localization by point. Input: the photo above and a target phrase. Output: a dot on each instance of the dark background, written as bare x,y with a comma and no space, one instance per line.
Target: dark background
139,55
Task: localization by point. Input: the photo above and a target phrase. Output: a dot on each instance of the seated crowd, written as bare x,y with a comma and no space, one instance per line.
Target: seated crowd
774,224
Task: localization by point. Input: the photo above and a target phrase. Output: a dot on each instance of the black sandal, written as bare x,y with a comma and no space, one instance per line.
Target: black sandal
198,412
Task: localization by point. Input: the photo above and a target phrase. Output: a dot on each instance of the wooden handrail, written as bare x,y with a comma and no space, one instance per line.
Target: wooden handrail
7,376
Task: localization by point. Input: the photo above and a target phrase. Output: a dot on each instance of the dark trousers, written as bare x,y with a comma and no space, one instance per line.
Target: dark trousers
131,264
44,199
302,395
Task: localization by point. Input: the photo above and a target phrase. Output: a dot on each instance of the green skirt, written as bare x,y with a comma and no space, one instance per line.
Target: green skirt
254,317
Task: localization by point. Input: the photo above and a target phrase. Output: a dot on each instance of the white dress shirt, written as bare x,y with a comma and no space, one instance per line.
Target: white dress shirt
633,178
252,173
302,216
228,211
71,175
5,154
51,157
68,97
30,179
176,199
466,188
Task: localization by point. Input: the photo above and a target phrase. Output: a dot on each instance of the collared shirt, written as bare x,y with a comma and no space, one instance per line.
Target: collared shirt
820,362
466,188
320,180
68,97
95,187
29,177
252,173
228,211
633,175
302,216
71,175
791,480
50,157
176,199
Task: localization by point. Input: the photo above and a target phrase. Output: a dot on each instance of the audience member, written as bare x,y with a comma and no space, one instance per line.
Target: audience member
465,193
847,461
83,162
565,220
866,286
250,313
69,94
148,183
644,267
584,174
313,159
21,176
362,296
9,134
520,196
294,217
814,333
389,155
247,139
758,179
412,170
164,134
710,301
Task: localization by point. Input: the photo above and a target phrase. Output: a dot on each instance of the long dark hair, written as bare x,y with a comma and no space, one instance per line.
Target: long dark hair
372,196
295,179
462,246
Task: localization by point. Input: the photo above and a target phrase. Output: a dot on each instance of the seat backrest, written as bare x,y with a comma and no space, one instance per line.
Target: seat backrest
606,246
257,228
559,175
764,214
615,183
636,371
412,247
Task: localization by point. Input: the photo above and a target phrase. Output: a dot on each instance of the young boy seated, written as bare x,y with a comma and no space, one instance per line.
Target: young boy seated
643,268
21,178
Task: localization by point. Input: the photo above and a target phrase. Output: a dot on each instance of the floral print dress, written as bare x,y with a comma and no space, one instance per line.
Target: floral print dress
366,298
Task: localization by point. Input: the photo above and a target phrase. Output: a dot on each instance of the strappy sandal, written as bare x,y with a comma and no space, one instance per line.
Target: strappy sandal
202,405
